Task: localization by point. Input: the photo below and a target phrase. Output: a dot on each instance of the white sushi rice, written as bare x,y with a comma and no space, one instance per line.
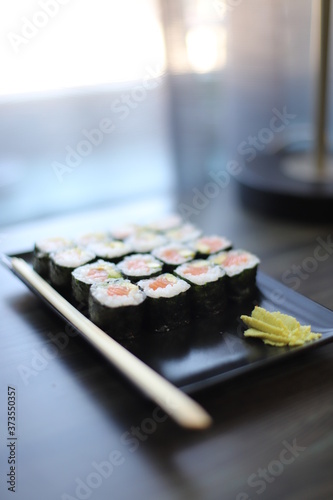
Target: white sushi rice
72,257
147,265
183,234
82,273
204,244
90,238
183,254
218,258
145,241
234,269
49,245
165,223
134,297
175,287
110,249
213,273
124,231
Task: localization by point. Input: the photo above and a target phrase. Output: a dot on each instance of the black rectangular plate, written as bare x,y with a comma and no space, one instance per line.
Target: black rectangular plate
212,350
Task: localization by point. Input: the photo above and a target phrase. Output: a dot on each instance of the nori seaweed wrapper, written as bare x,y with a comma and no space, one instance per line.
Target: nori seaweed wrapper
168,313
119,322
241,270
41,261
242,285
168,305
41,256
210,298
208,286
61,276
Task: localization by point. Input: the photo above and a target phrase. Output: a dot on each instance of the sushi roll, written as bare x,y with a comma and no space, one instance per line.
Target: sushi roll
208,245
165,223
85,276
173,255
63,262
117,306
43,249
89,238
184,233
113,250
167,301
208,286
139,266
124,231
241,269
144,241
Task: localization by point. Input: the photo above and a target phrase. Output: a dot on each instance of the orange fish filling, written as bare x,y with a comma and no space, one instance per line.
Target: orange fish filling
133,265
213,244
196,270
171,254
235,260
160,283
97,273
117,290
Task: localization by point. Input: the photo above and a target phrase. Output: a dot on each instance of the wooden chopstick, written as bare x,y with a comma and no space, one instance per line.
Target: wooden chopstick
172,400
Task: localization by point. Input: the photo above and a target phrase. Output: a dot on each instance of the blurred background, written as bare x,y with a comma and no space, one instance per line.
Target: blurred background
104,102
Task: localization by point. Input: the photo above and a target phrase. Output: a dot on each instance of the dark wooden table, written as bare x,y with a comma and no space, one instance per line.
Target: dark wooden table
84,432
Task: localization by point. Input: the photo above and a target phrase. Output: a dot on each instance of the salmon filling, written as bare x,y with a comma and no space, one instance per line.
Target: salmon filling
117,290
160,283
171,254
133,265
97,274
211,244
235,260
196,270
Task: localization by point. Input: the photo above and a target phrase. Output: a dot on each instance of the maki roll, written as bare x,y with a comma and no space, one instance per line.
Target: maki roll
85,276
173,255
43,249
113,250
63,262
139,266
167,301
208,286
165,223
208,245
117,306
124,231
241,269
144,241
184,233
89,238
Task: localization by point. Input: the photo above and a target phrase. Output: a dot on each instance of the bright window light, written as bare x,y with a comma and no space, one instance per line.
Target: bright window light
58,44
206,48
